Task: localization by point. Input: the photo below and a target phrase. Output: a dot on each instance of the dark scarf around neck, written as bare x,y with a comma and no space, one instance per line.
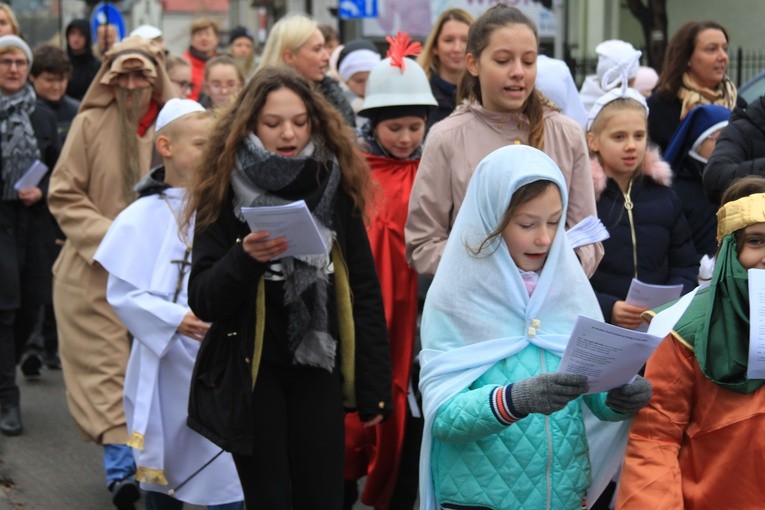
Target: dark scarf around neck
262,178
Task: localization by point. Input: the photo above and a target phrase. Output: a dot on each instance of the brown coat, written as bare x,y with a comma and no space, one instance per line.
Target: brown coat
85,195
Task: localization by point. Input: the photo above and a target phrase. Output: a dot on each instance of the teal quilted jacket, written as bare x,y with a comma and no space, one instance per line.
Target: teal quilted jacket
538,462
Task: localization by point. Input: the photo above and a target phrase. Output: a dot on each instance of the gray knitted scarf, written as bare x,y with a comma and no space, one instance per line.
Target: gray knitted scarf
17,138
262,178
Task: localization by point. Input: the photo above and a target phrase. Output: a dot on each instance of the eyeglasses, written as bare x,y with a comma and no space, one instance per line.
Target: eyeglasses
186,86
7,63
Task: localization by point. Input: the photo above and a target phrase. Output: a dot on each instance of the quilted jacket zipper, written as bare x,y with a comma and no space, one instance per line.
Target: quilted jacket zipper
548,437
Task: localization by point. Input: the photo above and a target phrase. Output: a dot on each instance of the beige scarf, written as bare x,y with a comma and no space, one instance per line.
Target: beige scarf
692,95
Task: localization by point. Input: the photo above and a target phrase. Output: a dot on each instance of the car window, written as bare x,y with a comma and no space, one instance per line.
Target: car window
753,88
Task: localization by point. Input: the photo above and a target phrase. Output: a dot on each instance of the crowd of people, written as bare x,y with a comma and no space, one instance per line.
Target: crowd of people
216,364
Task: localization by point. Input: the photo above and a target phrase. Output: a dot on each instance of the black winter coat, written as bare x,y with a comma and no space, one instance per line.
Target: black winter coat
700,212
665,252
739,151
446,99
664,117
222,290
27,233
330,89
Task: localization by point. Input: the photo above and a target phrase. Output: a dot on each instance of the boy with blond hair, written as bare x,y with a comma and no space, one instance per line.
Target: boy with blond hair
147,254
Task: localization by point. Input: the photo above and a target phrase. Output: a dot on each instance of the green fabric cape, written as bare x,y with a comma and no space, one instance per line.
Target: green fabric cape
716,324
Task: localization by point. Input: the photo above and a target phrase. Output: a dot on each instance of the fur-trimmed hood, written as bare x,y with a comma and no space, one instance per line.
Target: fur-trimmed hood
653,167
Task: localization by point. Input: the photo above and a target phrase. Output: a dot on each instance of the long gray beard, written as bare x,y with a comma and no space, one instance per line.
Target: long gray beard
131,106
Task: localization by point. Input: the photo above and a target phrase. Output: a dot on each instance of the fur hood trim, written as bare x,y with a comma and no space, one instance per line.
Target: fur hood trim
653,167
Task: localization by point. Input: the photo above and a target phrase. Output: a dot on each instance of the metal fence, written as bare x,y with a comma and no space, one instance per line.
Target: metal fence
743,65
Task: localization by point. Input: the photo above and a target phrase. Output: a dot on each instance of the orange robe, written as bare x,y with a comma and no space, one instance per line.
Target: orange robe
375,452
696,445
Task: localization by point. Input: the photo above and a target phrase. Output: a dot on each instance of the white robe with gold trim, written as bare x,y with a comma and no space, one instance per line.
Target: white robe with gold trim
138,252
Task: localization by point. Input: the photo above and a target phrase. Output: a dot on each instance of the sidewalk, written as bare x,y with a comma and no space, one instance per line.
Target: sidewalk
49,467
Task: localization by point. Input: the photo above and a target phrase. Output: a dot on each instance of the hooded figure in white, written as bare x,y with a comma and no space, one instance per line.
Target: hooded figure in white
481,330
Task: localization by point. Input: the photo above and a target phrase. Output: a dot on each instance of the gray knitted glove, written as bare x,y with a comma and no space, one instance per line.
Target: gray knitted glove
545,393
630,398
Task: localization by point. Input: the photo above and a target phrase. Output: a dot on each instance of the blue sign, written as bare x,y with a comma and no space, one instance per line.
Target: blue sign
106,13
352,9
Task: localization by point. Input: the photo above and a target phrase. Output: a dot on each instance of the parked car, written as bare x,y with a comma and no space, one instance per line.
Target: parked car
753,88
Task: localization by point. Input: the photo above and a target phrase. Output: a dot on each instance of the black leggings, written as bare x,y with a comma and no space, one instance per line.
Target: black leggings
297,461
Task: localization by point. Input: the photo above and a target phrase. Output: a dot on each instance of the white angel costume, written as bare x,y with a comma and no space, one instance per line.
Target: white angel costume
148,261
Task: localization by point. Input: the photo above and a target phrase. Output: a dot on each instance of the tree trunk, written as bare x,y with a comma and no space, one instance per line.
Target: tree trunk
653,21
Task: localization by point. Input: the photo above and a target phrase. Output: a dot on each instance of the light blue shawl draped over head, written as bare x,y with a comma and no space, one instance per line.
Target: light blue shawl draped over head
478,310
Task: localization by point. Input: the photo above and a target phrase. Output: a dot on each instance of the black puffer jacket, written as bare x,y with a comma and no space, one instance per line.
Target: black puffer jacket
665,252
740,150
222,289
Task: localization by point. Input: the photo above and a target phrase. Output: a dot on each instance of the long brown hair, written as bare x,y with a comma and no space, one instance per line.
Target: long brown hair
679,50
426,59
469,88
211,181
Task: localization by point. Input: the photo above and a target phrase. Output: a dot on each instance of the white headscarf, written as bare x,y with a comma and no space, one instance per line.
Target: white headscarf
478,310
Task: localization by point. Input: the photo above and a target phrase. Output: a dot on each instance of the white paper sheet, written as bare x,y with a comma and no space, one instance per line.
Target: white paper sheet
756,364
291,221
32,176
589,230
608,355
649,295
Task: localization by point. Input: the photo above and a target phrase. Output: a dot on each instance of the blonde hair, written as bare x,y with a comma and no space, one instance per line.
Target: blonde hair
175,61
288,33
608,112
11,17
223,60
176,128
429,62
202,23
611,108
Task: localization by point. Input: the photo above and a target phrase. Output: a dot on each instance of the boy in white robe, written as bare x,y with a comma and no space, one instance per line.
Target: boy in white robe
148,257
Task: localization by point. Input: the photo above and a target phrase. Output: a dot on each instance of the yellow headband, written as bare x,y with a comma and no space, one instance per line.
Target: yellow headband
740,214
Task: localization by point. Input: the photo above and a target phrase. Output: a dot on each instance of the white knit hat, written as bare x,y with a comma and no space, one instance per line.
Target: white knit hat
174,109
15,41
613,52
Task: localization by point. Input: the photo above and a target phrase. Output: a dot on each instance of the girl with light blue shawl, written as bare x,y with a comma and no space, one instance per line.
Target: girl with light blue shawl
502,429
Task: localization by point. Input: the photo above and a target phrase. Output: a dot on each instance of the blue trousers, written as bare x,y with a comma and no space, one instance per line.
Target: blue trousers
118,462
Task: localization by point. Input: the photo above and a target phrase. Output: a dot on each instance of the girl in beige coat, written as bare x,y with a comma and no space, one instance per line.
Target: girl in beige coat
500,107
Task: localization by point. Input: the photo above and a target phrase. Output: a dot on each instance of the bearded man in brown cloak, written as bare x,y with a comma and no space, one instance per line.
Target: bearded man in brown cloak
108,149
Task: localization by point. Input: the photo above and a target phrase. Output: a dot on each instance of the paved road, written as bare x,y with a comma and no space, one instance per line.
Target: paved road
49,467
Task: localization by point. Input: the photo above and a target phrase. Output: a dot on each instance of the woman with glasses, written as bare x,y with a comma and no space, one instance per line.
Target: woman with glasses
28,132
179,71
223,81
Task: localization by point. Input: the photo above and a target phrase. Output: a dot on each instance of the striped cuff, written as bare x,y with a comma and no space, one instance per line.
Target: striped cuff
498,400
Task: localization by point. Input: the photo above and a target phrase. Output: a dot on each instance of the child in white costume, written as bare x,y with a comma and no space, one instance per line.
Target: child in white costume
148,259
